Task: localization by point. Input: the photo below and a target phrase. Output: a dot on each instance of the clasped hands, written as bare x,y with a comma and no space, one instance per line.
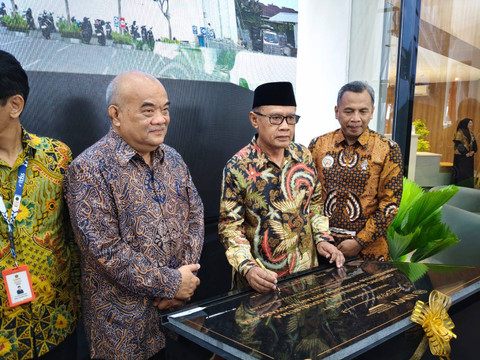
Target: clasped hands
189,284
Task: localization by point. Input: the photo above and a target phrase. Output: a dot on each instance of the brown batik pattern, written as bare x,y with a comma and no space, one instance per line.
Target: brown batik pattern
362,186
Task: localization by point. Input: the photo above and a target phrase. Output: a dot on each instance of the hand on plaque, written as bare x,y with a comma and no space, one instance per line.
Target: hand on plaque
330,252
262,280
349,247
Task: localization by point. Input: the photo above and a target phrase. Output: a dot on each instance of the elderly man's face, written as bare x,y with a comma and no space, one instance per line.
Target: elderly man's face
354,113
142,115
273,137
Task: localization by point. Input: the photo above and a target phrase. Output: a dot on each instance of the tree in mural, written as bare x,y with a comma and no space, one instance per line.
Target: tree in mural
14,7
164,6
249,13
67,9
120,14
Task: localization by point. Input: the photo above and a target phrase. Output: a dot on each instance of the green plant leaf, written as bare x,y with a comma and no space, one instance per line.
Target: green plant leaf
433,248
403,258
397,243
424,207
413,241
418,227
434,240
243,83
434,219
411,191
414,271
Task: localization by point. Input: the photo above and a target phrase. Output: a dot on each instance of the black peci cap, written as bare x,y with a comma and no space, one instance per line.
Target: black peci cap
274,93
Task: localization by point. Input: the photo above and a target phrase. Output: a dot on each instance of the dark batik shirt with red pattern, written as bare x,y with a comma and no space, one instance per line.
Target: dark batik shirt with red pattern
270,212
362,186
135,226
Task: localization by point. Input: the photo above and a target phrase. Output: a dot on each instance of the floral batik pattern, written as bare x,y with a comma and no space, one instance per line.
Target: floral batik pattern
43,241
270,212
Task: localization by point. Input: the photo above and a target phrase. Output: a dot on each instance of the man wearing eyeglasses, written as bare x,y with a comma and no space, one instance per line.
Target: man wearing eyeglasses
271,212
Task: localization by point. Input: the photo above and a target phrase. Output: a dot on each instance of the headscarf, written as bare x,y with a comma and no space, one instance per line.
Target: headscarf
463,125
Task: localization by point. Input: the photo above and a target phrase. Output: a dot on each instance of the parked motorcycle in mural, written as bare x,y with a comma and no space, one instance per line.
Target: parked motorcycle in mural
86,30
99,32
46,24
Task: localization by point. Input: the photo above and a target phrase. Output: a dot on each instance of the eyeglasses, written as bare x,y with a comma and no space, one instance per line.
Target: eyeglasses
278,119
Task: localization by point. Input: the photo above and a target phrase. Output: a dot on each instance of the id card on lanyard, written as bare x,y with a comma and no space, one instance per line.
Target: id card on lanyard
17,280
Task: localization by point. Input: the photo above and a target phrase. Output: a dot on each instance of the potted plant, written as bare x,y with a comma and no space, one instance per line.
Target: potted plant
422,132
417,229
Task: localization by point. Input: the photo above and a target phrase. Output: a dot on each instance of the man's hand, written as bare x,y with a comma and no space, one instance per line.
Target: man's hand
189,282
166,304
349,247
330,252
262,280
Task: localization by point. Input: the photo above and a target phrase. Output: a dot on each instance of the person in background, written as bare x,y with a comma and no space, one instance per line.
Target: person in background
138,220
271,211
361,176
465,147
36,241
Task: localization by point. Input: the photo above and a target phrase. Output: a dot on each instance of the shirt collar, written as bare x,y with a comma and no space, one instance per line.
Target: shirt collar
262,158
362,139
30,142
124,152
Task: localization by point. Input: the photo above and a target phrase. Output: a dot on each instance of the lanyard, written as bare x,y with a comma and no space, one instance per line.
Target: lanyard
22,172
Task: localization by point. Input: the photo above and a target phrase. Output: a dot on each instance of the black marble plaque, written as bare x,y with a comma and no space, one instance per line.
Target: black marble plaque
330,313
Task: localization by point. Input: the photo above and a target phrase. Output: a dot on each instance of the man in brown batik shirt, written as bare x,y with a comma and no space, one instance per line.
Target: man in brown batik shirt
361,176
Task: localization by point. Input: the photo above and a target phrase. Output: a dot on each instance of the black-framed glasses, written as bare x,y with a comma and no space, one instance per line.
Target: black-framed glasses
278,119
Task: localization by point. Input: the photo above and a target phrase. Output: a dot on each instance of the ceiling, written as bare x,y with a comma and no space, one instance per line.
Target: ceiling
459,18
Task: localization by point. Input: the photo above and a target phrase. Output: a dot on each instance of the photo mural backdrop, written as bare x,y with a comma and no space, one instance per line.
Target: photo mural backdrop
209,55
244,42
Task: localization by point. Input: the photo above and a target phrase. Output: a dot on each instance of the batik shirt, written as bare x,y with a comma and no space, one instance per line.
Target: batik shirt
362,186
135,226
270,212
44,242
462,145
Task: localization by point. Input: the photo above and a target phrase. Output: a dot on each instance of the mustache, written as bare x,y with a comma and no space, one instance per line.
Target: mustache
161,128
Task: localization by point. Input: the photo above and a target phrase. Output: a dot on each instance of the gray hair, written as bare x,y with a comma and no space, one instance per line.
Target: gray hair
356,87
111,93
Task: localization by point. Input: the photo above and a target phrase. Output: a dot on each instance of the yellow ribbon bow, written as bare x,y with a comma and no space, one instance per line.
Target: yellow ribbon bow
436,322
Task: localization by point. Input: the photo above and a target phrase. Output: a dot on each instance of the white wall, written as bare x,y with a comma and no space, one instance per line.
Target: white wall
339,41
322,64
366,48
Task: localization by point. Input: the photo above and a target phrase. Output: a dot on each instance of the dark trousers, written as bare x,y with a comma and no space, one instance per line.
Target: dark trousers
159,356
